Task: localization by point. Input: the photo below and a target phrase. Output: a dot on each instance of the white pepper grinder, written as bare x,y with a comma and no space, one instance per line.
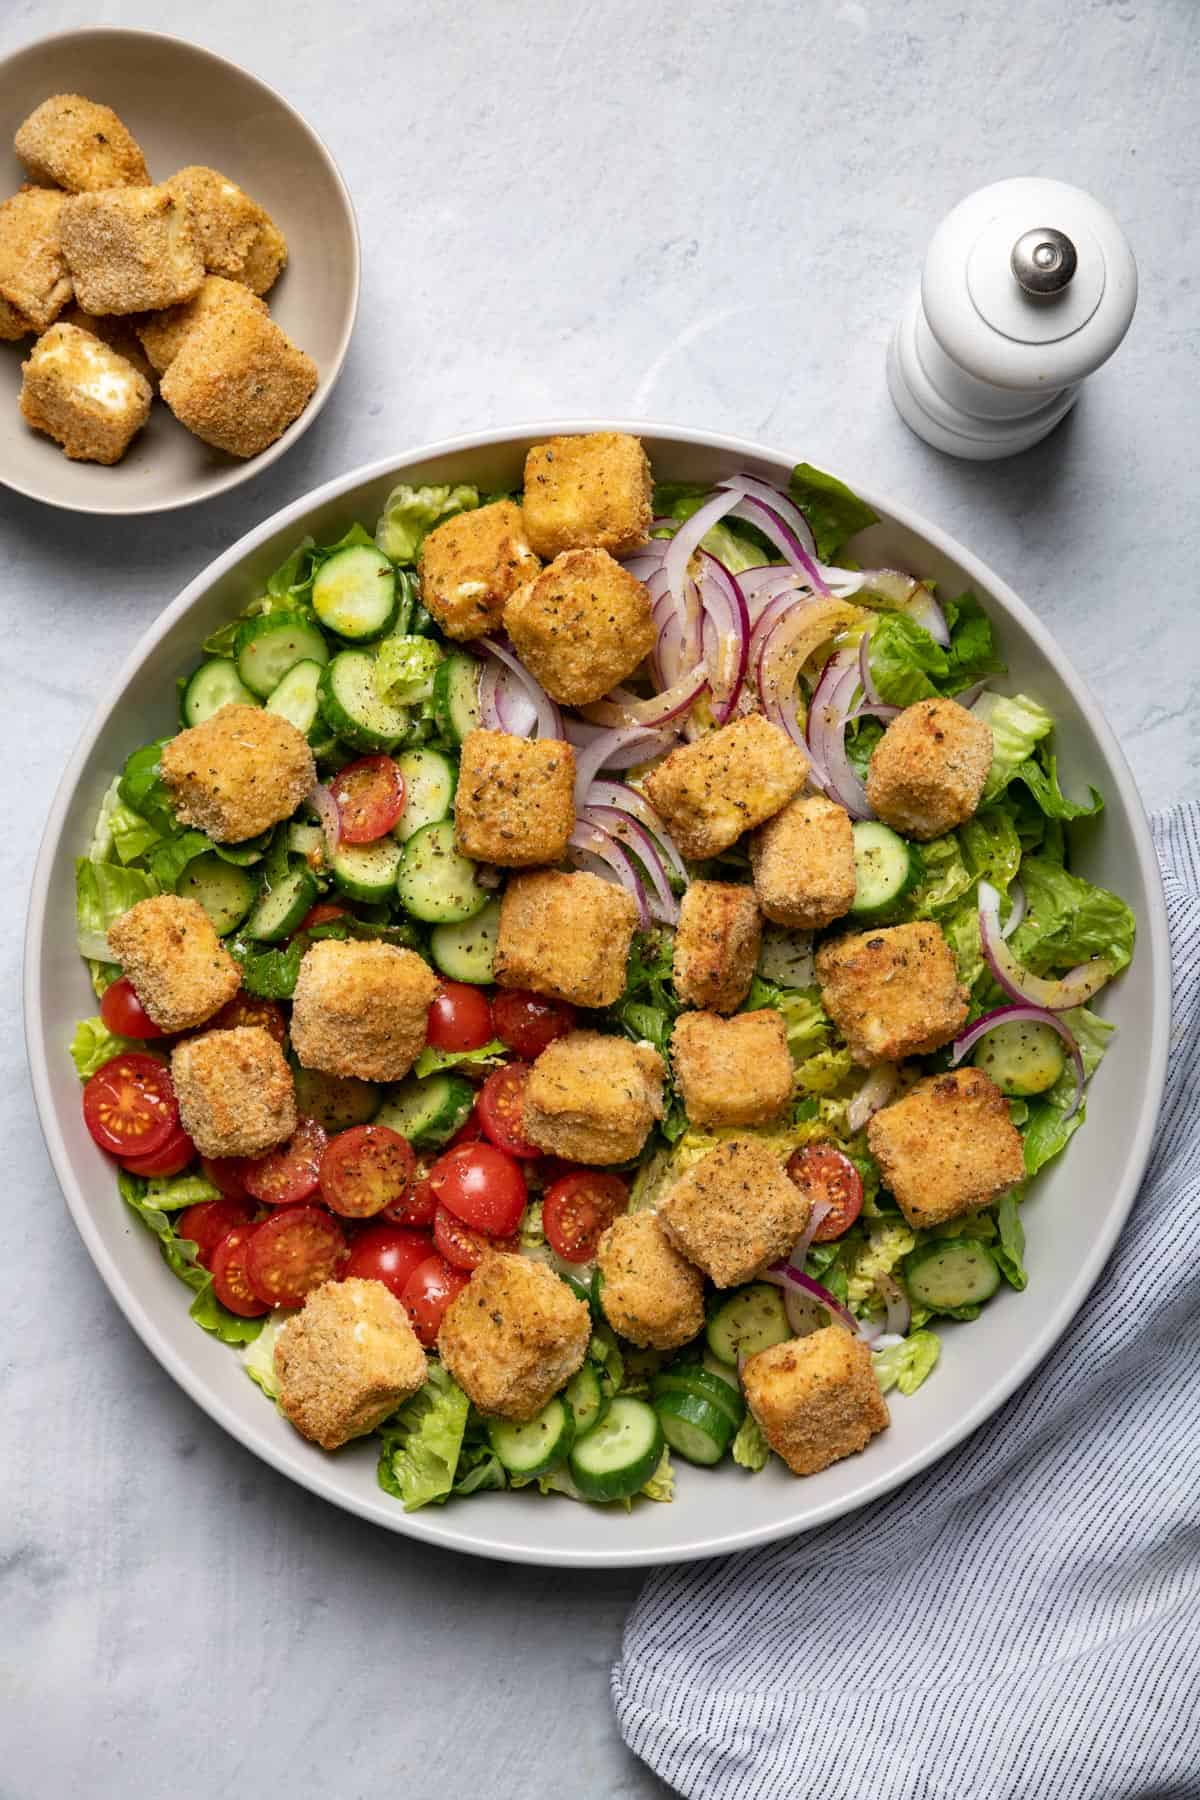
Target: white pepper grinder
1029,285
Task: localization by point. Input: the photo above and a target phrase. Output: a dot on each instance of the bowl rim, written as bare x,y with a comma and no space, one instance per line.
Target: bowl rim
245,470
432,1529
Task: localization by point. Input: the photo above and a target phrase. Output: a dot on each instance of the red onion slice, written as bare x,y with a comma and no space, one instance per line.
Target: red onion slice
827,718
1023,1015
623,798
896,1301
769,522
780,1273
623,708
875,1092
547,718
1073,989
680,551
819,1210
593,849
725,605
1017,906
616,748
635,837
504,704
326,809
783,504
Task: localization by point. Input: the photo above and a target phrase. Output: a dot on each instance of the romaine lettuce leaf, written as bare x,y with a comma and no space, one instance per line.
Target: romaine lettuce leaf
119,830
180,1254
805,1020
661,1485
421,1442
103,891
1069,920
907,1364
409,513
1046,1129
94,1044
171,856
487,1056
834,514
1009,1248
1018,725
750,1447
908,665
405,667
1040,775
207,1312
478,1467
881,1249
257,1357
142,788
171,1193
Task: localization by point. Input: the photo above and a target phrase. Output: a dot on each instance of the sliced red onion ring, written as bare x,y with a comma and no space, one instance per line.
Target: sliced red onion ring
819,1210
623,798
1073,989
725,606
548,719
617,748
780,1273
874,1093
773,526
326,809
1017,903
872,705
1023,1015
504,703
680,551
594,850
783,504
827,719
899,1311
635,837
622,708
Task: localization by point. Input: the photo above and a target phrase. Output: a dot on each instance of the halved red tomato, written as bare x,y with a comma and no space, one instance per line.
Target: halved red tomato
247,1009
501,1107
481,1186
129,1105
578,1209
174,1156
428,1291
124,1014
459,1018
387,1253
462,1247
369,795
418,1205
293,1252
286,1176
528,1022
210,1220
366,1169
231,1280
825,1174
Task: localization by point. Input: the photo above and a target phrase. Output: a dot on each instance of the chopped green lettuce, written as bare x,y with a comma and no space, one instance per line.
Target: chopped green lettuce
1018,724
257,1357
739,546
824,1072
1039,773
171,856
142,789
103,974
94,1044
834,514
1069,920
884,1245
207,1312
421,1442
531,1233
805,1020
405,667
488,1056
1009,1248
661,1485
750,1447
907,1364
180,1254
171,1193
119,830
103,891
411,512
908,665
268,973
478,1467
1046,1129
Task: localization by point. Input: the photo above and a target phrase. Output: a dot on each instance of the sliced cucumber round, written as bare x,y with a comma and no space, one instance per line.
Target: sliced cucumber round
1021,1059
367,871
352,708
427,1109
267,647
700,1431
435,882
692,1378
297,698
620,1454
279,910
467,952
224,891
214,685
586,1397
886,867
537,1445
430,779
335,1101
354,594
747,1320
956,1272
307,841
456,696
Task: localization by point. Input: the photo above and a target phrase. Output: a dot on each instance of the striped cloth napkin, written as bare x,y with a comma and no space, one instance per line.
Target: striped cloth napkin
1022,1622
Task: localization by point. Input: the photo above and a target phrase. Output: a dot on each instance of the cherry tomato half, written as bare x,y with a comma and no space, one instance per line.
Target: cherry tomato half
578,1209
231,1279
293,1252
246,1009
528,1022
369,795
225,1173
428,1291
418,1205
174,1156
290,1174
129,1105
210,1221
482,1186
365,1169
460,1018
462,1247
823,1173
387,1253
501,1108
323,913
124,1014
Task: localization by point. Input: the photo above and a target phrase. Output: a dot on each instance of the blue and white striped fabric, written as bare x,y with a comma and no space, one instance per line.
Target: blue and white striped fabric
1032,1604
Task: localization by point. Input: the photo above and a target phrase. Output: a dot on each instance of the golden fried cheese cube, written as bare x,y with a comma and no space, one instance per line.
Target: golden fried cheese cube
717,943
728,781
892,992
176,963
83,395
929,768
816,1398
130,249
566,936
649,1292
241,771
236,236
35,283
581,626
515,800
346,1360
469,566
514,1336
734,1071
77,144
948,1146
588,492
119,333
592,1098
235,1091
162,333
238,381
361,1009
735,1211
803,863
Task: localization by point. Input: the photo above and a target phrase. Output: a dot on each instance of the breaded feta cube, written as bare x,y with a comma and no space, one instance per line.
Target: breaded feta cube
236,235
581,626
176,963
566,936
727,782
591,1098
803,863
893,992
83,395
361,1009
235,1091
120,334
588,492
35,283
241,771
163,333
735,1211
346,1360
928,769
949,1145
238,381
469,566
77,144
816,1398
649,1292
130,249
716,945
734,1071
514,1336
515,800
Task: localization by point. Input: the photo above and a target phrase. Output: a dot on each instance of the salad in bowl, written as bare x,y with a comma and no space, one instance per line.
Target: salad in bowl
591,978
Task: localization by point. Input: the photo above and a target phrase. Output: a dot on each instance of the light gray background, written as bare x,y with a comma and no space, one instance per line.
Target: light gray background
705,214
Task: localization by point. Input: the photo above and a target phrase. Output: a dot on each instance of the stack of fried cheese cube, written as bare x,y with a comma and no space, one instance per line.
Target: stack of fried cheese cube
128,285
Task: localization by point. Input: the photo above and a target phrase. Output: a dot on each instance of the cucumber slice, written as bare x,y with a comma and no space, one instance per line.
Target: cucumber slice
267,647
694,1379
280,909
307,841
537,1445
468,952
354,594
619,1455
886,867
335,1101
456,696
224,891
957,1272
700,1431
351,707
214,685
585,1396
435,883
429,783
748,1320
427,1111
297,698
1021,1058
367,871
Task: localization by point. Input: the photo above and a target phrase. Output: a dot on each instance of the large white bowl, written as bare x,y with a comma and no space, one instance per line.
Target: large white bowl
1071,1220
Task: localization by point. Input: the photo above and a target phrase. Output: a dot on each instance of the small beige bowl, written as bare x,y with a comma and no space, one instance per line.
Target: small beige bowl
186,105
